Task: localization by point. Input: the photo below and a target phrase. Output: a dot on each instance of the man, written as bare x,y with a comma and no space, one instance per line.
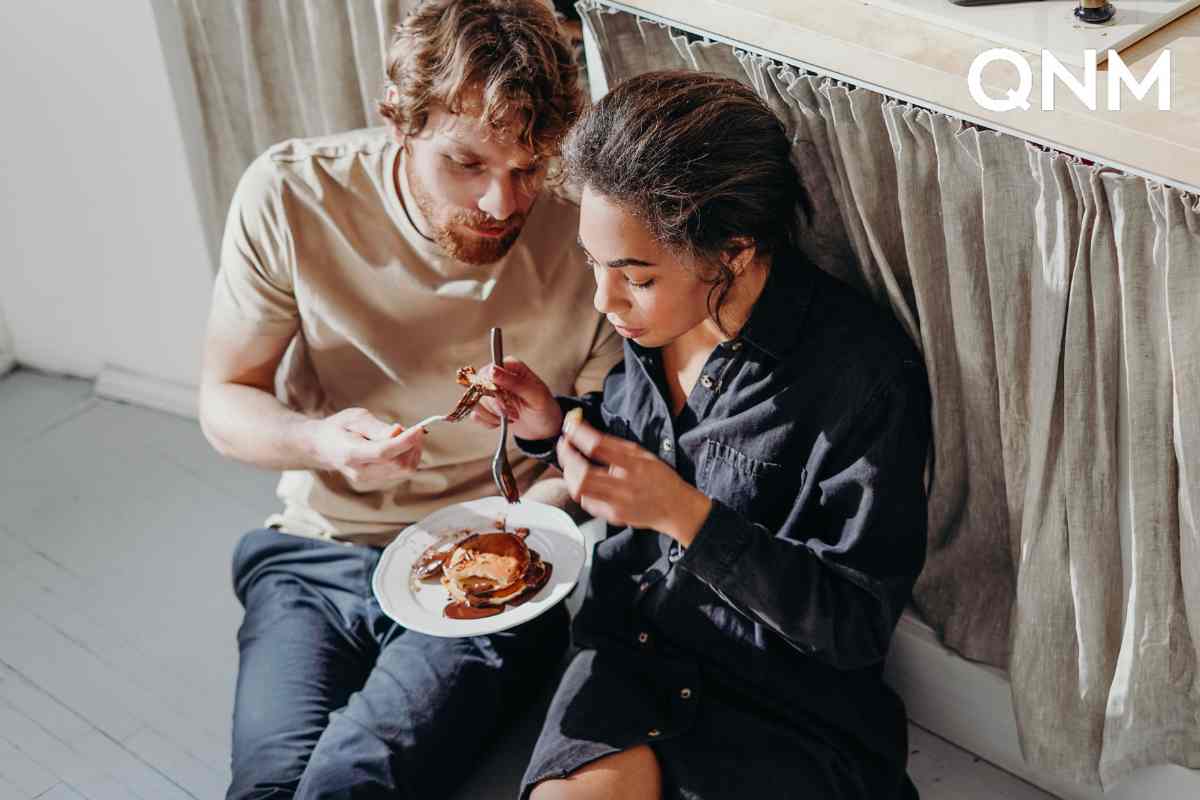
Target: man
358,272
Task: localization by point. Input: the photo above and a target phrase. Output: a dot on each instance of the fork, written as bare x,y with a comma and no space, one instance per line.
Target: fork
502,472
425,423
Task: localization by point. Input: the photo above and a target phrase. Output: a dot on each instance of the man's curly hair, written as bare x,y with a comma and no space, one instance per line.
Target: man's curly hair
505,61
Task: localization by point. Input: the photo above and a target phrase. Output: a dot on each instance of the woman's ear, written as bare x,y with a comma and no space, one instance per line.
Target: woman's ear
739,254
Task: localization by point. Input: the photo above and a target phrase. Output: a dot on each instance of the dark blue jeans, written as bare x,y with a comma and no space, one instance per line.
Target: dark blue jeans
334,699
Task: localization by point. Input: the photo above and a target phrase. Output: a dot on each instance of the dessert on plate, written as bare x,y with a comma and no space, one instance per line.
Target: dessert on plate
483,572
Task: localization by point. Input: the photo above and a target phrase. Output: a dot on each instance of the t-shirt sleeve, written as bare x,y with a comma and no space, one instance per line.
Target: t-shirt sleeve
255,286
607,350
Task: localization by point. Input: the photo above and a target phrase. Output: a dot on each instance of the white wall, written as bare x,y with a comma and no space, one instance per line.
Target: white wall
103,259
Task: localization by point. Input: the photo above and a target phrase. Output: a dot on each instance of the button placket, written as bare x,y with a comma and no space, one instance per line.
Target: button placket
712,379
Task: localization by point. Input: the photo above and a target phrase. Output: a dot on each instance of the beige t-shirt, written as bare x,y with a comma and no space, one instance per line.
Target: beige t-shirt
318,243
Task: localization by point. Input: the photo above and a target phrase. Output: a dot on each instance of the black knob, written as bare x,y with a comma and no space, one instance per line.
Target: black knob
1094,12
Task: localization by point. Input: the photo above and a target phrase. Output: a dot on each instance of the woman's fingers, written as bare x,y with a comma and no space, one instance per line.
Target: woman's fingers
494,405
513,376
598,447
603,496
518,367
485,417
518,389
584,479
600,509
510,382
574,465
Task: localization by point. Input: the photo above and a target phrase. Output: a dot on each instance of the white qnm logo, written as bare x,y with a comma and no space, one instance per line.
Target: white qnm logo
1085,90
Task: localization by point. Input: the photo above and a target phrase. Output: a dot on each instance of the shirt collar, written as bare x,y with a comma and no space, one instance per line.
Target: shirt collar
777,319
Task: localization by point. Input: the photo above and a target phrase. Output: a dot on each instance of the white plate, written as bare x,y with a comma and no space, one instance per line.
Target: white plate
551,533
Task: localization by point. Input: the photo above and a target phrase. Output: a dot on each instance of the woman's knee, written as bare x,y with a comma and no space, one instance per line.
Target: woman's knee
632,773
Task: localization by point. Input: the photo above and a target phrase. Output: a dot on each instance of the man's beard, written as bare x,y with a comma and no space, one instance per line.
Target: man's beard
464,246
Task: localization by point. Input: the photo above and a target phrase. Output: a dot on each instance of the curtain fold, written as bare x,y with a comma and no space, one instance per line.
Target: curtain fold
969,528
1055,304
1153,705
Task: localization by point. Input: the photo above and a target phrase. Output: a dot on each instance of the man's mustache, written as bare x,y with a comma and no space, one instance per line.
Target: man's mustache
487,222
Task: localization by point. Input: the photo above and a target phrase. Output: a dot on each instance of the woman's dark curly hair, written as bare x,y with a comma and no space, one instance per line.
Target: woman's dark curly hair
506,61
700,160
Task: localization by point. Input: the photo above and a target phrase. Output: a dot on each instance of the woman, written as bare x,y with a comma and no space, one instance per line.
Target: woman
763,447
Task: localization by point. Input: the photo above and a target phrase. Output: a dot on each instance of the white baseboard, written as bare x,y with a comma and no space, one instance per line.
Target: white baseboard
970,704
117,383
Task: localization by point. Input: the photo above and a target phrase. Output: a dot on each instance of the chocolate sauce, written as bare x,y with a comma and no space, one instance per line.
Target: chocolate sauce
464,611
431,562
533,588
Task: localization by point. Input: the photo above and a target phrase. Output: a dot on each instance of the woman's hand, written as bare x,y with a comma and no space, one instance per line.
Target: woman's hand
627,484
533,413
370,453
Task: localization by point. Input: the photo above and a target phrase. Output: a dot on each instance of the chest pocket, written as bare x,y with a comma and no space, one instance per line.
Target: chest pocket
748,485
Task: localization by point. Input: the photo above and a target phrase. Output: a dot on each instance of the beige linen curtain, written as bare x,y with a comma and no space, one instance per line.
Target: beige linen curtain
269,70
1055,304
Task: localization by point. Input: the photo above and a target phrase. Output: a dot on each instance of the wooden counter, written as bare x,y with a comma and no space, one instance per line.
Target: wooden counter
906,57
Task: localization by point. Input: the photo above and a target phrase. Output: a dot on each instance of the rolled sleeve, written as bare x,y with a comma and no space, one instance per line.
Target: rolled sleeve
718,544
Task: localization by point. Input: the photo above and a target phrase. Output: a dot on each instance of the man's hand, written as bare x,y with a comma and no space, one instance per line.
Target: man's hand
533,413
369,452
628,485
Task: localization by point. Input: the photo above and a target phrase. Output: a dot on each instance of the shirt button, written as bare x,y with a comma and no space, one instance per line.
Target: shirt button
706,381
643,637
653,732
643,586
686,694
667,446
735,346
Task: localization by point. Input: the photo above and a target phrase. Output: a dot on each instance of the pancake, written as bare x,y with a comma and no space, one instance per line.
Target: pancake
487,571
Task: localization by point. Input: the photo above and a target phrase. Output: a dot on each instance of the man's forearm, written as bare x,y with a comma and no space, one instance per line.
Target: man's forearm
251,426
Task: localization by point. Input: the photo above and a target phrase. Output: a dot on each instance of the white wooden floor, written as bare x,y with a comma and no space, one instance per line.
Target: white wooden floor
117,621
